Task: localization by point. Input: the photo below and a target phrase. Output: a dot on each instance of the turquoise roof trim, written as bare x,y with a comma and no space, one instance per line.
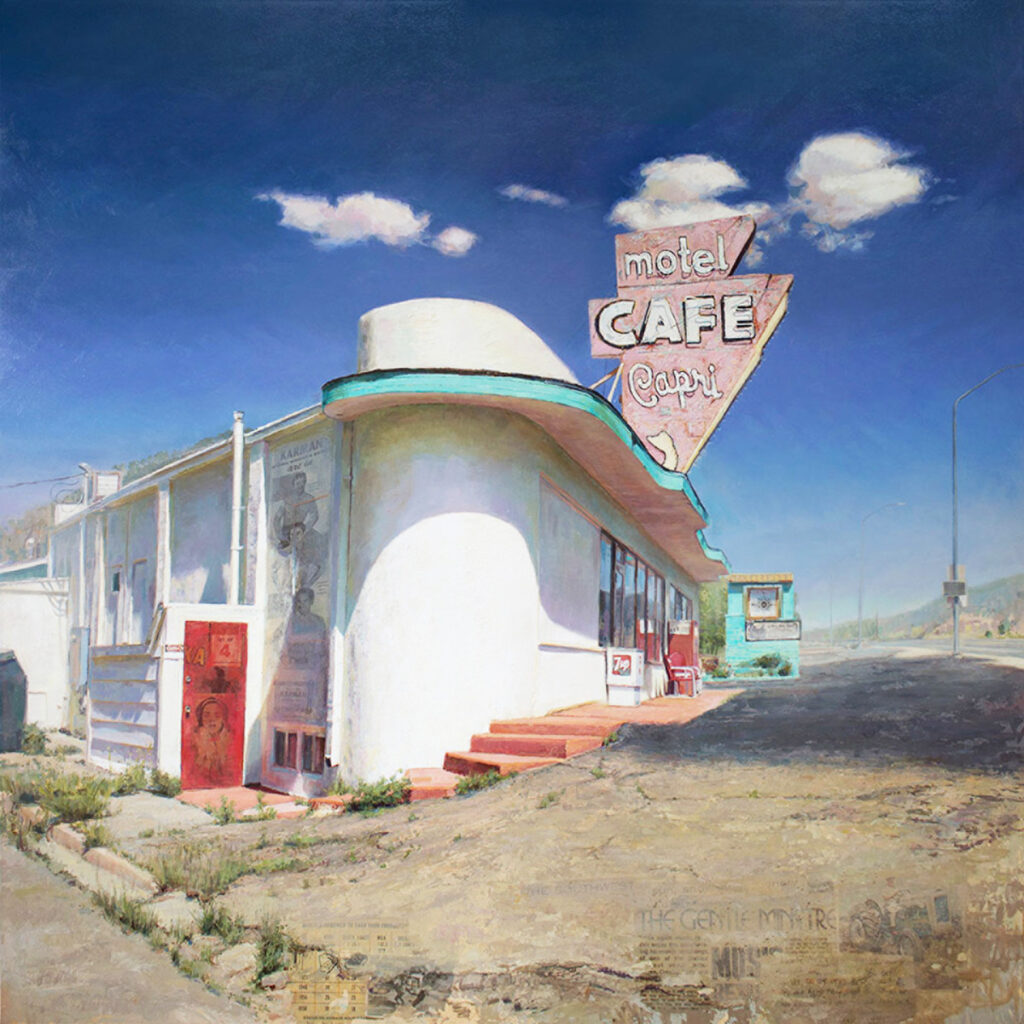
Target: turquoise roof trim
513,385
31,571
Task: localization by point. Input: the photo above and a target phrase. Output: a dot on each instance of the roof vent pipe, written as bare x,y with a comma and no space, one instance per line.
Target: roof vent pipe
237,454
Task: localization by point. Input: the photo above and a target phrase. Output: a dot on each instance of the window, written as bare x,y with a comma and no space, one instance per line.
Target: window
288,745
113,605
680,606
632,604
140,611
312,754
763,602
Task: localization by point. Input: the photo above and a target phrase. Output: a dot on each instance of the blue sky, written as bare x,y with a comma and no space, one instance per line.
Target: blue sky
151,288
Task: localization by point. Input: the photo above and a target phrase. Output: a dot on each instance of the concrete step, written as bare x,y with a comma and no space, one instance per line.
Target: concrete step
560,726
545,745
431,783
468,762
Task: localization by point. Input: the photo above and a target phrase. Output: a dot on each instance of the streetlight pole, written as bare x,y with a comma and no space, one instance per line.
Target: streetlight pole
956,502
860,588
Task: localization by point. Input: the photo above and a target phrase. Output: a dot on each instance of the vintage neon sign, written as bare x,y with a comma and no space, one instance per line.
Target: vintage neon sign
688,335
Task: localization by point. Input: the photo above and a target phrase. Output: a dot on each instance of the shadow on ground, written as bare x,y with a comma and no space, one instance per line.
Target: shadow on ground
964,714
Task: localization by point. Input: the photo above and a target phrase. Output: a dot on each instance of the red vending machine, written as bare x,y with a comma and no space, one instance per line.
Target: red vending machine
682,659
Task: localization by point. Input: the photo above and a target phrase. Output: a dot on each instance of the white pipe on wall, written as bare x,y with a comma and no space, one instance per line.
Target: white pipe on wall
237,453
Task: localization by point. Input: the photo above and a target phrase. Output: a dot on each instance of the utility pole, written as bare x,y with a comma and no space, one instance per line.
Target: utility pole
956,503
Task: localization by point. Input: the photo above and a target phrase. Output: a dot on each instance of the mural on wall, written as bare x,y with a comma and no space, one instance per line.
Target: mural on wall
298,602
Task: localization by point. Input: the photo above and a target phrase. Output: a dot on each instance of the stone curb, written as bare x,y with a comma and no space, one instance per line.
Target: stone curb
67,837
106,860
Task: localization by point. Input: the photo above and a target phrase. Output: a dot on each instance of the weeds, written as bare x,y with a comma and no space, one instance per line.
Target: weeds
224,814
19,828
301,842
131,780
198,870
274,864
548,799
473,783
367,796
23,787
130,914
163,784
74,797
611,738
33,739
598,772
95,833
272,947
216,920
263,812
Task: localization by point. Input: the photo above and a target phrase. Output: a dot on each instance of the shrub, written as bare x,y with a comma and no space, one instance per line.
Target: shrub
130,914
199,870
215,920
33,739
721,671
74,797
23,787
472,783
131,780
368,796
272,948
768,661
785,669
163,784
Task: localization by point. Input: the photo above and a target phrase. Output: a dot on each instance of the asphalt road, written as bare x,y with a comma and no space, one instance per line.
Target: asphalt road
63,962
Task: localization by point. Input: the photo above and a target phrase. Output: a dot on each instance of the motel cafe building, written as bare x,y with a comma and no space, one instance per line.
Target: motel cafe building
457,533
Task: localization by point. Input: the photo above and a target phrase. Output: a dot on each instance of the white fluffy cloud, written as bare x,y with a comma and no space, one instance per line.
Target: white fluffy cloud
351,219
846,178
686,190
838,180
526,194
454,241
364,216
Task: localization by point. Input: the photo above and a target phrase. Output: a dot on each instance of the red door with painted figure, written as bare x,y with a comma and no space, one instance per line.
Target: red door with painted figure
213,705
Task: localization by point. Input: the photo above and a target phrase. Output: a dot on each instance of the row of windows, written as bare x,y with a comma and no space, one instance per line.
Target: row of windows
287,750
632,607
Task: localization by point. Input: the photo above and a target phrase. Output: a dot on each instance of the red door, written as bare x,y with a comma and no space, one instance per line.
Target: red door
213,705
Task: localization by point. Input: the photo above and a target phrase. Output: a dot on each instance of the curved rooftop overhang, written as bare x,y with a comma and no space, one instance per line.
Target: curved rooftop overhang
582,422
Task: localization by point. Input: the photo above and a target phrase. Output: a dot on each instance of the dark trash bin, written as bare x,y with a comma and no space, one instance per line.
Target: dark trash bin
13,686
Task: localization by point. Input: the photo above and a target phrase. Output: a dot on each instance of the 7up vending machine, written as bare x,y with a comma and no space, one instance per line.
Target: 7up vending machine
624,678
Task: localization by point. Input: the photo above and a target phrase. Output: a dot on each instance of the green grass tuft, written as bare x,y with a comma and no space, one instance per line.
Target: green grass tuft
131,915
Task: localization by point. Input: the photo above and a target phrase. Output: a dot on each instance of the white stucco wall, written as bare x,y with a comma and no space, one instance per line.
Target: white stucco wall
34,624
201,535
473,578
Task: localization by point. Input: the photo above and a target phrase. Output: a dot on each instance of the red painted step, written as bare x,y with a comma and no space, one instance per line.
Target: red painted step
431,783
468,762
533,746
559,726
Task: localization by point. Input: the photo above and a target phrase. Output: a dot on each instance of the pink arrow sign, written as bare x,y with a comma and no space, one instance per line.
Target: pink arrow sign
686,352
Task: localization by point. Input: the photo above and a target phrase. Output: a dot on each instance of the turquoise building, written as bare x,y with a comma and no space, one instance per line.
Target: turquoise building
762,631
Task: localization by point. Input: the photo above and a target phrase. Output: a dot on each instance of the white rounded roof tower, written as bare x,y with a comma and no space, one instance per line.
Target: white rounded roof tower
454,334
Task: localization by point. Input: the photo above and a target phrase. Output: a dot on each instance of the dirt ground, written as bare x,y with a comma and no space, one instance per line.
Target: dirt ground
842,847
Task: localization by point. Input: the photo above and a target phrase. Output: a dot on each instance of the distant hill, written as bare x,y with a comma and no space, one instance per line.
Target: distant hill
996,608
